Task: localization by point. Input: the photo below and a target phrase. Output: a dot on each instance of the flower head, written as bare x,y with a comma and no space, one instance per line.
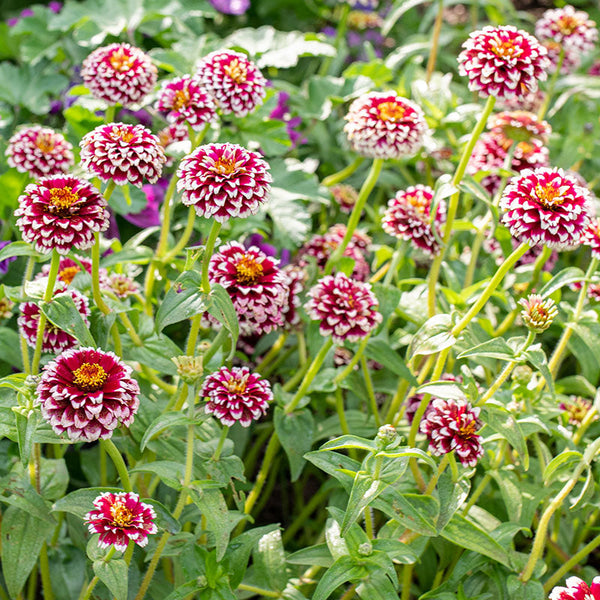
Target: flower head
236,395
545,206
88,393
55,340
39,151
119,74
577,589
452,425
503,61
384,125
123,153
346,308
234,81
61,212
257,287
576,409
346,196
186,102
538,313
297,277
224,181
119,518
570,28
120,284
408,217
591,236
519,126
69,267
231,7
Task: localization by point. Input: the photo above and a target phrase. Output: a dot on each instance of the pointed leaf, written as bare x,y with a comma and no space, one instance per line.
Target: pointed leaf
221,308
433,336
269,560
364,491
113,574
162,422
295,431
344,569
184,300
63,312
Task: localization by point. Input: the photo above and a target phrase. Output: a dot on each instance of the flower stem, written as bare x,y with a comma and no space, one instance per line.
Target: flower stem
270,356
435,39
434,273
119,463
221,443
544,107
37,354
45,573
357,356
97,294
370,391
208,250
340,32
185,236
340,176
363,195
166,218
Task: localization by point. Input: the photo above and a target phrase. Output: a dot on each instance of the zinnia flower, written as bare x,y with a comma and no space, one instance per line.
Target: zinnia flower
408,217
519,126
231,7
224,181
234,81
346,196
385,125
39,151
591,236
61,213
504,62
55,340
538,313
297,277
121,285
186,102
346,308
452,425
123,153
577,589
69,267
119,518
546,206
572,29
236,395
88,393
257,287
576,409
119,74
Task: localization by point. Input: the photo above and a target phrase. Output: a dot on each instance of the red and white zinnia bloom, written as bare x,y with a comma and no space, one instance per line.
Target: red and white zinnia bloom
186,101
504,62
451,425
385,125
572,29
60,213
123,153
88,393
577,589
346,308
224,181
119,518
591,236
546,206
236,395
39,151
234,81
119,74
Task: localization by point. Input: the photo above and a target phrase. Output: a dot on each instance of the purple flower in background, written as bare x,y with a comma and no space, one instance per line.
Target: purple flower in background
282,113
5,263
55,7
258,240
141,116
26,12
149,216
231,7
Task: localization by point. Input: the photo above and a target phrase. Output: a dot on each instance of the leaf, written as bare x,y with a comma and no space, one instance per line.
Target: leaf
565,461
530,590
398,551
18,249
30,501
162,422
26,427
451,495
80,502
221,308
156,352
295,432
364,491
9,342
113,574
503,422
164,518
62,312
128,199
464,533
350,441
537,357
214,509
318,555
185,299
376,587
562,278
339,466
416,512
433,336
187,590
380,351
22,538
169,472
269,560
388,297
494,348
344,569
397,10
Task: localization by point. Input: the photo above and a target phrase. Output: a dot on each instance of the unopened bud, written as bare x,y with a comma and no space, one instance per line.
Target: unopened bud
365,549
386,434
538,313
522,375
189,368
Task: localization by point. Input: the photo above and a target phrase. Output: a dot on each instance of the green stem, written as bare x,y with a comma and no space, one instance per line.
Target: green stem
370,390
45,573
86,594
393,264
208,250
49,292
540,536
453,203
96,293
221,443
22,340
357,209
258,591
272,353
435,39
340,176
339,407
544,108
119,463
161,249
109,114
185,236
350,366
309,376
340,33
407,572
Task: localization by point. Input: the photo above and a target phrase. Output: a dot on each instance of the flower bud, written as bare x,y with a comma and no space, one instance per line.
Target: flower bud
538,313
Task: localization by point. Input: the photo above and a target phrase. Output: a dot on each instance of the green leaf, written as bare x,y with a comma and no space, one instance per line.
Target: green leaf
22,538
451,495
388,297
162,422
18,249
164,518
26,427
380,351
364,491
128,199
433,336
169,472
269,560
62,312
565,461
416,512
398,551
318,555
537,357
113,574
376,587
30,501
214,509
530,590
350,441
339,466
80,502
503,422
464,533
185,299
344,569
221,308
295,432
187,590
494,348
9,342
562,278
156,352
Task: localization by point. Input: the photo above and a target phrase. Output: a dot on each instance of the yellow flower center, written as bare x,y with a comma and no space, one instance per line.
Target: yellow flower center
120,60
391,111
567,24
236,70
61,200
225,166
467,430
89,377
505,49
548,195
181,98
44,142
68,273
248,270
121,133
122,516
418,201
237,386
